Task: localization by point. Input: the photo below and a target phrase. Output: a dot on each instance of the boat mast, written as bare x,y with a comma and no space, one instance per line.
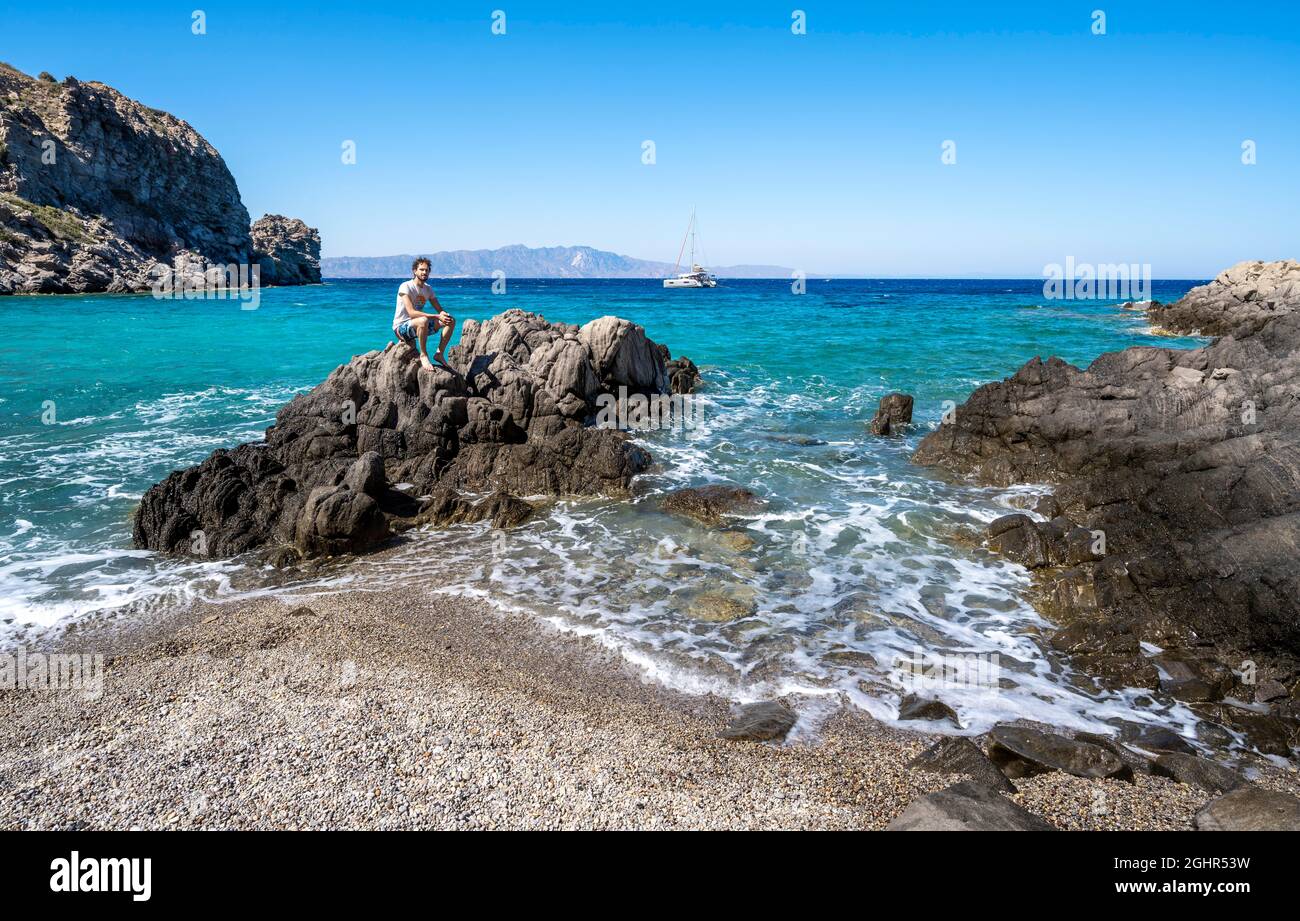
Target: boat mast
692,239
689,228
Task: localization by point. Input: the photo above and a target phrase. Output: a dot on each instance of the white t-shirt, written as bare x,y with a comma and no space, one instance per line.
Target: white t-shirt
419,295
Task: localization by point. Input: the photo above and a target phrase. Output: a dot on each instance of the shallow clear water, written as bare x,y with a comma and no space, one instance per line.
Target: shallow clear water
856,553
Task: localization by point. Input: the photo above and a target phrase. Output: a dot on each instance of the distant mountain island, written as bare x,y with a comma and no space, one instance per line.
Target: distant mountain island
526,262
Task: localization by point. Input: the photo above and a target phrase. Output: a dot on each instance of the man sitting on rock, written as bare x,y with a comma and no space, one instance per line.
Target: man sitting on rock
410,322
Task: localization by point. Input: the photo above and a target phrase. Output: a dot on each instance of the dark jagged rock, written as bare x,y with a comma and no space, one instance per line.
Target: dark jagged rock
1271,733
515,419
1250,808
895,409
96,190
966,807
1107,649
1198,772
1019,751
1185,462
954,755
1248,294
683,375
764,721
1193,678
447,507
287,250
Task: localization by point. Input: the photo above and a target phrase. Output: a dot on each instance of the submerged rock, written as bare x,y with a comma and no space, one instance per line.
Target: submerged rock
514,419
720,607
895,409
913,707
765,721
966,807
709,504
1250,808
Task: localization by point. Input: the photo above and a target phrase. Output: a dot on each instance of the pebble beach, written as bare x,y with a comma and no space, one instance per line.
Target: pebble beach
367,710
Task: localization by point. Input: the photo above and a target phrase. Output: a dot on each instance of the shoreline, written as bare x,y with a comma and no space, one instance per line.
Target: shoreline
402,710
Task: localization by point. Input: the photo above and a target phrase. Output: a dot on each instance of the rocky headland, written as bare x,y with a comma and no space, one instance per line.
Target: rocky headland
383,445
96,190
1166,550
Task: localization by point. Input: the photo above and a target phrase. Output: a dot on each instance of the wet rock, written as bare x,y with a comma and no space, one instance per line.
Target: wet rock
966,807
683,375
1250,808
1270,733
802,441
765,721
719,607
1269,690
953,755
1197,772
1190,476
1019,537
1107,649
517,417
1048,507
736,540
1019,751
1191,678
854,657
895,409
710,504
1156,739
913,707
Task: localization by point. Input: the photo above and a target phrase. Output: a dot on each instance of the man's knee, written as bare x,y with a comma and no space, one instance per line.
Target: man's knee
420,323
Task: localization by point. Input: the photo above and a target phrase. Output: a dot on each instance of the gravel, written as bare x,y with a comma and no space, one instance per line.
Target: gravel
404,710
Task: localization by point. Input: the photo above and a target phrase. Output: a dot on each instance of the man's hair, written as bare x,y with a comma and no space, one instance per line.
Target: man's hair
416,264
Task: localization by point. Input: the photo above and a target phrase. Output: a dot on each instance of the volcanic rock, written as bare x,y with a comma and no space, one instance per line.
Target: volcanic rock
895,409
514,418
1186,463
966,807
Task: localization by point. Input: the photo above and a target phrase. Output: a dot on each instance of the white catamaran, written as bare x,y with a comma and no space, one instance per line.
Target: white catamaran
697,277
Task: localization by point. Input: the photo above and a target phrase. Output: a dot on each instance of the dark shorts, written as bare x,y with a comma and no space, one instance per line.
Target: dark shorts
406,332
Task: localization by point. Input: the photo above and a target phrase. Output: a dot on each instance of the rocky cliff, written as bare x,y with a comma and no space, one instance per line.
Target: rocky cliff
1175,517
287,250
1249,294
95,189
516,417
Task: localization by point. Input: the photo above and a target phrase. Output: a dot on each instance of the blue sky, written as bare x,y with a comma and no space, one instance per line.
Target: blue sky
818,151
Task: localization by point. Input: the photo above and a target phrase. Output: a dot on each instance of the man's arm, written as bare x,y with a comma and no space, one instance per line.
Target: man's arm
412,311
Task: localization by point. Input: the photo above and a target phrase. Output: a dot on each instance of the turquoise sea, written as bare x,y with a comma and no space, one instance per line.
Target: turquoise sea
855,558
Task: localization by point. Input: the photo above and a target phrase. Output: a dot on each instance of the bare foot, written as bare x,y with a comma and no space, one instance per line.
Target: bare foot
437,356
425,363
